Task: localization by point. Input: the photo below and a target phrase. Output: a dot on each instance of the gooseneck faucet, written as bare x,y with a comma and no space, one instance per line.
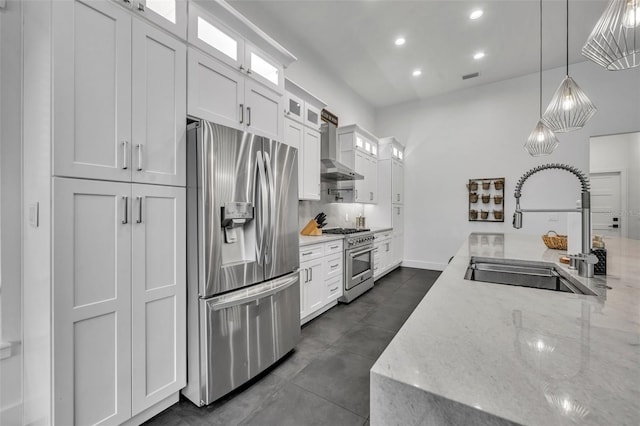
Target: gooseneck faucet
586,259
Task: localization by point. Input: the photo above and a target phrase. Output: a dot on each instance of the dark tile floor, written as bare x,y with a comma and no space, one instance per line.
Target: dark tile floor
325,380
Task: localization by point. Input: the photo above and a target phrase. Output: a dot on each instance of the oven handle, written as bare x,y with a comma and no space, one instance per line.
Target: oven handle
358,253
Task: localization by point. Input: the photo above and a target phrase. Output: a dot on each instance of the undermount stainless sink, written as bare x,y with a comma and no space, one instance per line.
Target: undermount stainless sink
522,273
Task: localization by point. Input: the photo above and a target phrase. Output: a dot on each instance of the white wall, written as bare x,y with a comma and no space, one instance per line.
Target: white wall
621,153
10,212
479,133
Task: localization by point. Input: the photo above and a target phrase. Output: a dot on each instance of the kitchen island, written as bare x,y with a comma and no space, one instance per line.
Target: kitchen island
493,354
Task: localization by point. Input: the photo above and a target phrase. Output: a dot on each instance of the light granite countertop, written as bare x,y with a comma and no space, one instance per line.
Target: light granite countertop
306,240
491,354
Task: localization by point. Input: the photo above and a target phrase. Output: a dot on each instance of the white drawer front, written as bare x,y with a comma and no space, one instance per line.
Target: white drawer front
333,267
333,289
333,247
311,252
381,236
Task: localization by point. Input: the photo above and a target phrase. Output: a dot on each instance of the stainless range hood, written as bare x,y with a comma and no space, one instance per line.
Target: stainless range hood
331,169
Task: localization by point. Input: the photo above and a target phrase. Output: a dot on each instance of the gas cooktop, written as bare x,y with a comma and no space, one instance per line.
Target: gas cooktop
344,231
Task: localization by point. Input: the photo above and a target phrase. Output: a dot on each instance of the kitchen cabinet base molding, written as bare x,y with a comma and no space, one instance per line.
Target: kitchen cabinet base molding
153,410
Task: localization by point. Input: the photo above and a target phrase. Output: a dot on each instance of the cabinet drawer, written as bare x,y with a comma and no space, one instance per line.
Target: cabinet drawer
333,267
382,236
333,289
333,247
311,252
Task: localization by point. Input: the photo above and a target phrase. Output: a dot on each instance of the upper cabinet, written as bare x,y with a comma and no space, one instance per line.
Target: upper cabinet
168,14
391,149
359,150
120,96
302,123
235,76
227,45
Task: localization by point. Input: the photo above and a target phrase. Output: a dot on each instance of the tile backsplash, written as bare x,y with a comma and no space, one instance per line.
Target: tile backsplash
338,214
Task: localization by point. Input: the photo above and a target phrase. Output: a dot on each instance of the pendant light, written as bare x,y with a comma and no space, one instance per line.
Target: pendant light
542,141
570,108
614,42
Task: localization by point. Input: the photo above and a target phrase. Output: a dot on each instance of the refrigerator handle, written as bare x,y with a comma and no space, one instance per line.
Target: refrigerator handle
275,287
271,197
262,214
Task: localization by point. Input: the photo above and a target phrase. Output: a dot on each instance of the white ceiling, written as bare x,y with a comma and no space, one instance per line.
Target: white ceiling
355,39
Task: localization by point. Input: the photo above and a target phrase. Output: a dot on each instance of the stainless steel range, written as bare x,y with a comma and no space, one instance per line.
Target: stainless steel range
358,261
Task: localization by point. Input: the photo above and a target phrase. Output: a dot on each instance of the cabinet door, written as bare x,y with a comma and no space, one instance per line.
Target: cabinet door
159,107
215,38
312,280
311,116
361,187
397,218
158,292
92,301
372,176
263,111
215,92
168,14
293,136
262,68
92,80
397,182
294,108
311,165
397,248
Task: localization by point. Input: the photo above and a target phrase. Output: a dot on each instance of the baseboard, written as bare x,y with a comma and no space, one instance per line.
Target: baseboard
433,266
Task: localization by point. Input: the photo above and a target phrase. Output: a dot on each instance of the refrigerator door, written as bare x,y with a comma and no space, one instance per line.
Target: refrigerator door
230,187
281,251
246,331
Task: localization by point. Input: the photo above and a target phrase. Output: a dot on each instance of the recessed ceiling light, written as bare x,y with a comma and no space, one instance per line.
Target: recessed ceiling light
478,55
476,14
400,41
416,73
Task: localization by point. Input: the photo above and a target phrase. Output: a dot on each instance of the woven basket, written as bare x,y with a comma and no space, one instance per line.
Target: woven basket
557,242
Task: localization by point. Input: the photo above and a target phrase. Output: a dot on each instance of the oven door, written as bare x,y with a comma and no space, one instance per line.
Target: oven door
359,266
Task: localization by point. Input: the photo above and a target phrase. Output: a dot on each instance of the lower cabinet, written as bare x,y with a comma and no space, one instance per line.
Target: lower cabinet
384,258
321,278
119,303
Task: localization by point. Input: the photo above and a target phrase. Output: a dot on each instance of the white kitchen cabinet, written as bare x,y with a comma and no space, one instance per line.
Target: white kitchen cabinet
397,182
321,278
170,15
219,40
312,280
119,298
91,302
302,116
116,118
307,141
383,256
223,95
359,150
158,295
92,80
159,99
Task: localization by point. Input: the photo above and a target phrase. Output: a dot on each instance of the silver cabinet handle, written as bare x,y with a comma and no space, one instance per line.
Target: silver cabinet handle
306,274
139,200
371,196
125,149
139,148
356,194
248,116
334,247
311,274
335,266
398,196
241,110
248,70
127,1
241,67
333,289
307,253
125,212
141,7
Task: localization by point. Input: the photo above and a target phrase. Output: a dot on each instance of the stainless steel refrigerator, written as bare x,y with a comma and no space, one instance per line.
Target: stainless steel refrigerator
243,258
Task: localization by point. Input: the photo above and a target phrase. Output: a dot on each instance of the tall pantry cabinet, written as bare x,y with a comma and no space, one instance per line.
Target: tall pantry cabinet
112,163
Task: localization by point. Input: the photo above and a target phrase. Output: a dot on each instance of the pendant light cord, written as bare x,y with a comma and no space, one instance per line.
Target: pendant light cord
540,59
567,38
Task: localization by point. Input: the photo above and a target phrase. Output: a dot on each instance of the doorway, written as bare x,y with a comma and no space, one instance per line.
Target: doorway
606,204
